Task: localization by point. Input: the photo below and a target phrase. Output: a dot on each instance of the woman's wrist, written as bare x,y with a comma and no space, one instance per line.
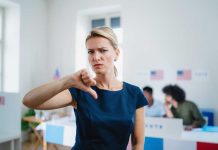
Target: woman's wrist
169,113
68,81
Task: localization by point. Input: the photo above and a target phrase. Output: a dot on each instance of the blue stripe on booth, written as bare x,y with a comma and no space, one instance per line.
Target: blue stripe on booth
54,134
210,129
153,143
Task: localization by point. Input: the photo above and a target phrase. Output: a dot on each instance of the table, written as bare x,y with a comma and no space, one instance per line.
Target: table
40,139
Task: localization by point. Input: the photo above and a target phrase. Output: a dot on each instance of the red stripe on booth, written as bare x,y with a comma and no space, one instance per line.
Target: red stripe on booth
206,146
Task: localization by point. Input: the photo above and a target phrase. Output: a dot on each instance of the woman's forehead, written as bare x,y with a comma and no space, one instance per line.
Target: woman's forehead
98,42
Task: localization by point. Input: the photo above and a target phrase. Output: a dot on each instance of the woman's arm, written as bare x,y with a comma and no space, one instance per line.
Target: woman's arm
197,116
138,131
50,96
56,94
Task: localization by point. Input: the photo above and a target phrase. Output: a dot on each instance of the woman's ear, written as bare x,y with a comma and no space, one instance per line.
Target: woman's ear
117,51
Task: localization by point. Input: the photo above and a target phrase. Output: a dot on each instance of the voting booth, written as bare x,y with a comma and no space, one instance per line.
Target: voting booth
10,126
160,134
168,134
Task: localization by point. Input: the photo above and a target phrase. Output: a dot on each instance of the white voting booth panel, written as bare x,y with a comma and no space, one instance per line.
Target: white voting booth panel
10,116
60,131
171,128
163,127
200,136
170,144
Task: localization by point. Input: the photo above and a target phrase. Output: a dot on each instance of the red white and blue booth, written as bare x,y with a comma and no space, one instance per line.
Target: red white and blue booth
160,134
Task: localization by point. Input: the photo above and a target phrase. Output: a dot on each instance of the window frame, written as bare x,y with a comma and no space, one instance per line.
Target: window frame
107,18
2,48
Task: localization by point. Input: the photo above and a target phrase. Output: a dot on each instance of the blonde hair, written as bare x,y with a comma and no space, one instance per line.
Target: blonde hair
107,33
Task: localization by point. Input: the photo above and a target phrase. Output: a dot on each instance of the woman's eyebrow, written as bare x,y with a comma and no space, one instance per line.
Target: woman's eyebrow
98,48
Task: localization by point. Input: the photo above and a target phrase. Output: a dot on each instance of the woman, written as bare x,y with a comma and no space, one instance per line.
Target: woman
107,110
177,107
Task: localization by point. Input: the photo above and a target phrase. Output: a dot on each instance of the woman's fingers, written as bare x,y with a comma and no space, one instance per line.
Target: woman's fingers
87,79
87,82
88,89
93,82
92,92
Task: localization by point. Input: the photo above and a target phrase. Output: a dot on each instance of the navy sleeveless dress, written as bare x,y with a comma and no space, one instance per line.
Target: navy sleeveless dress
106,123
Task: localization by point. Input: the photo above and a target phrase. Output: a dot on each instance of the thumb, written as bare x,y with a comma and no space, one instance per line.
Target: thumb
93,82
92,92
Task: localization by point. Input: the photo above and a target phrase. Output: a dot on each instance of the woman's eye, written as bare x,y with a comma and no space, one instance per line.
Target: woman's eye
103,50
90,52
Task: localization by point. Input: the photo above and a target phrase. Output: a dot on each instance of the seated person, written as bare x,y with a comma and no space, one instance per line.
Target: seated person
155,108
176,106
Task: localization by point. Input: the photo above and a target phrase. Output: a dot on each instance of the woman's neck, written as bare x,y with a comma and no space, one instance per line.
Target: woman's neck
108,81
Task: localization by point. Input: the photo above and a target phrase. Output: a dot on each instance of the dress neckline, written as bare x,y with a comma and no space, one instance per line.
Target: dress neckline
123,86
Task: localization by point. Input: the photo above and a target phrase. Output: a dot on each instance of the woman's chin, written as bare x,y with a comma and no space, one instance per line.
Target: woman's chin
99,72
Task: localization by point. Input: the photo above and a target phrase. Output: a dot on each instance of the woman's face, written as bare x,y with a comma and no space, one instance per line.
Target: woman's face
101,55
168,98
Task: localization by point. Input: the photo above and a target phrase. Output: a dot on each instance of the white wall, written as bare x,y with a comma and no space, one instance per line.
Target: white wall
158,34
33,46
61,37
173,35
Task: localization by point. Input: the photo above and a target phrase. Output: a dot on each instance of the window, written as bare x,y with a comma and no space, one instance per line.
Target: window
113,21
9,47
98,22
1,48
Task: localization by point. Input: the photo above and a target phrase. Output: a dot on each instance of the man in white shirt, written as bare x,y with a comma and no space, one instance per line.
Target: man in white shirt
155,108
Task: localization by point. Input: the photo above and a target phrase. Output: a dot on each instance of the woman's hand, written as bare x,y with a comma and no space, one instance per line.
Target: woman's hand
168,112
83,80
188,128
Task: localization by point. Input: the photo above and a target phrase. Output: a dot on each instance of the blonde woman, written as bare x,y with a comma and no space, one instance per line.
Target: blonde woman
107,110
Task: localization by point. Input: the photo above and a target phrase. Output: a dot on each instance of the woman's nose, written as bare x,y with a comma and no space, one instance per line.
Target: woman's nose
96,56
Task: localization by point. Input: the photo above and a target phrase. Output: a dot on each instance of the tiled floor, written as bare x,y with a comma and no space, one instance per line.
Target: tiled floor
30,146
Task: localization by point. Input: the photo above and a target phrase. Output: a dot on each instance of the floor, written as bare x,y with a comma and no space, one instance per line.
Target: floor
30,146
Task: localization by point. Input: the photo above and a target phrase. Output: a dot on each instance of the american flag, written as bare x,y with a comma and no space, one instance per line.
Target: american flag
184,75
2,100
156,75
56,75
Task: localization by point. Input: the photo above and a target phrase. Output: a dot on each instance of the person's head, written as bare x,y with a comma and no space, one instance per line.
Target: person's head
174,93
148,93
103,50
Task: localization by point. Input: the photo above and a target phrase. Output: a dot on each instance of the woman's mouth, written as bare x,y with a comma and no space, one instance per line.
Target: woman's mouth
97,66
